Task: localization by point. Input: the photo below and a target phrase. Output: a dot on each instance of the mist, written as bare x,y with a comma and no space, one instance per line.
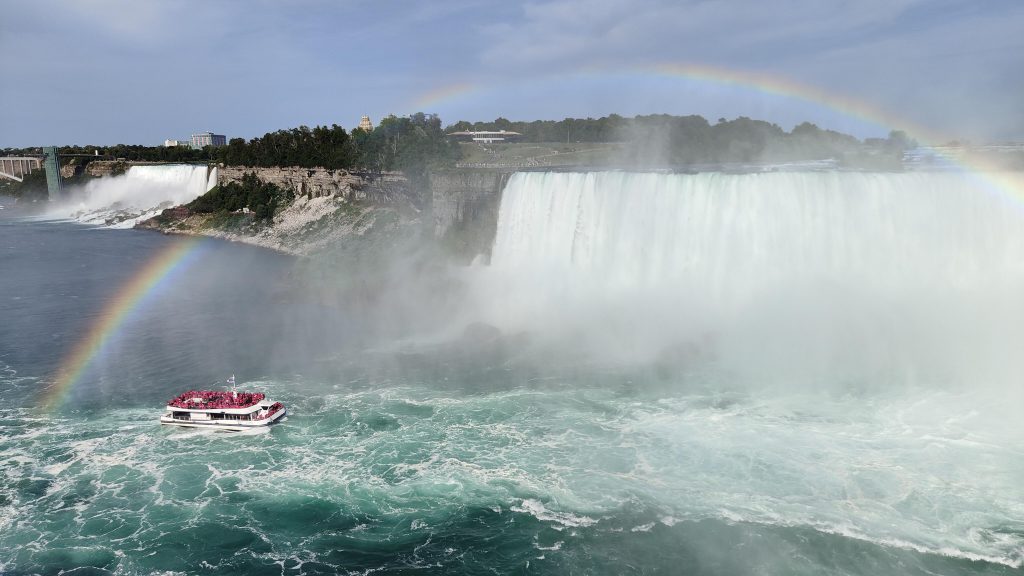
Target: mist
819,360
788,281
792,280
120,201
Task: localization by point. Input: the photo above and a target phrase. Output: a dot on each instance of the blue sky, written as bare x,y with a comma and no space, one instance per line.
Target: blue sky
137,72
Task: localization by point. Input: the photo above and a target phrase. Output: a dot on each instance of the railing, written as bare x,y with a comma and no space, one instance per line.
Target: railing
274,408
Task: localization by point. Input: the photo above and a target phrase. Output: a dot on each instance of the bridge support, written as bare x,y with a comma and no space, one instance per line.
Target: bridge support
16,167
51,162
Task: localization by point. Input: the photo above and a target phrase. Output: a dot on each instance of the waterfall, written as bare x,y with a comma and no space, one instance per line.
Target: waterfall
211,180
740,232
635,262
141,192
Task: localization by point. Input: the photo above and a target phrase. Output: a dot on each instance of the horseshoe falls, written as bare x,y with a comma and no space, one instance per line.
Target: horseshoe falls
809,272
708,374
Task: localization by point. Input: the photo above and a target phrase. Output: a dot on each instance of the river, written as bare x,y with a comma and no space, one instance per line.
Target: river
610,419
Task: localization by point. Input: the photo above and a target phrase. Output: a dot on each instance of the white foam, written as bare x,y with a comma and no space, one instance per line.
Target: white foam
537,509
140,193
847,532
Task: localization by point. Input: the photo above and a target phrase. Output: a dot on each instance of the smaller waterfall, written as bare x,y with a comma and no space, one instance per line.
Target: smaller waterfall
140,193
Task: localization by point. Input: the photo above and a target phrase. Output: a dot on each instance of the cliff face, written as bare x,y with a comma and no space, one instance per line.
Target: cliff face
329,207
465,210
320,182
460,209
100,168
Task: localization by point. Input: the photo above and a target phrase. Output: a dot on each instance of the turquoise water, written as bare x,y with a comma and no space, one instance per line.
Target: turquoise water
468,456
548,477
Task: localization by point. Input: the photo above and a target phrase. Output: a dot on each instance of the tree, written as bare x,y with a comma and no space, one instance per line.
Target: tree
899,140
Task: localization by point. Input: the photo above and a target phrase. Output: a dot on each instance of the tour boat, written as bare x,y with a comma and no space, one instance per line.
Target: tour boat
223,410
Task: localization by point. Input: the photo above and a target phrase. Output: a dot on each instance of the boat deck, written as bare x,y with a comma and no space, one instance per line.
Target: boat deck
214,400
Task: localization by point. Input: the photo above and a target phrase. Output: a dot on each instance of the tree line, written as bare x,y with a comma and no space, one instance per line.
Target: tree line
417,143
411,143
667,139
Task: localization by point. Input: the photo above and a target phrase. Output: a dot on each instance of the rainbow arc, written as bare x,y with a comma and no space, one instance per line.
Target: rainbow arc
129,298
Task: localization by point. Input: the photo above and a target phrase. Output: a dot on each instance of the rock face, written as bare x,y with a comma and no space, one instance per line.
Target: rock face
460,208
329,207
70,170
462,195
320,182
98,168
465,210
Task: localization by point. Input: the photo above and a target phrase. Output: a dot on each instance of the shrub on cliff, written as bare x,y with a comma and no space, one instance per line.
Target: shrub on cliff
260,198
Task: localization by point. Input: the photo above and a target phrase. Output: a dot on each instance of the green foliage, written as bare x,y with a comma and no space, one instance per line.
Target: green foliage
606,129
417,144
898,139
260,198
319,147
31,188
677,140
136,152
411,144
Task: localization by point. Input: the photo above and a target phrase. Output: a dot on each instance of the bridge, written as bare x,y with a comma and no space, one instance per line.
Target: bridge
17,167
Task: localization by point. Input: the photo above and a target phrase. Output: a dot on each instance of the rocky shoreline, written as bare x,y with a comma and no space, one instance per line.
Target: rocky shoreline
328,207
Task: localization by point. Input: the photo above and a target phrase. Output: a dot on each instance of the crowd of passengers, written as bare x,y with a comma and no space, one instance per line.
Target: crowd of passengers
208,399
270,412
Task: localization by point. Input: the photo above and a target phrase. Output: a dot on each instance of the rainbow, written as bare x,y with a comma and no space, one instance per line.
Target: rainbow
129,297
757,81
1000,181
1009,184
443,94
781,86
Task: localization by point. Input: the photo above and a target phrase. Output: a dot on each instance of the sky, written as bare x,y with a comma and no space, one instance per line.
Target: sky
138,72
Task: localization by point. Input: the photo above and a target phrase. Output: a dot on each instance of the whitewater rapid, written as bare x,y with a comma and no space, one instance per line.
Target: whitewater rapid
558,473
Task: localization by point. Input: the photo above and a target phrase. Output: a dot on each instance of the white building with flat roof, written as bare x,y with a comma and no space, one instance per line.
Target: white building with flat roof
486,136
208,139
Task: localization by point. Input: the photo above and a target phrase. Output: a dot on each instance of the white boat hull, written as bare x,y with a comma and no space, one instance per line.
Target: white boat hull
231,426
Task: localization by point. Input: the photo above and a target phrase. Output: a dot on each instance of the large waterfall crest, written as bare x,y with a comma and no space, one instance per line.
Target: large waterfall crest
825,267
740,232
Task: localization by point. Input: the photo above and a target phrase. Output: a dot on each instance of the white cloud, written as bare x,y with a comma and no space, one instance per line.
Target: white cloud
148,70
944,64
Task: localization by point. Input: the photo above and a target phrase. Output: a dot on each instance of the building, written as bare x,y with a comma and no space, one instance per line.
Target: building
365,124
485,136
208,139
173,143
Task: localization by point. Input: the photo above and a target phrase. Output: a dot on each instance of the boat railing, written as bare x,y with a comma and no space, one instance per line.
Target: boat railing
270,412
